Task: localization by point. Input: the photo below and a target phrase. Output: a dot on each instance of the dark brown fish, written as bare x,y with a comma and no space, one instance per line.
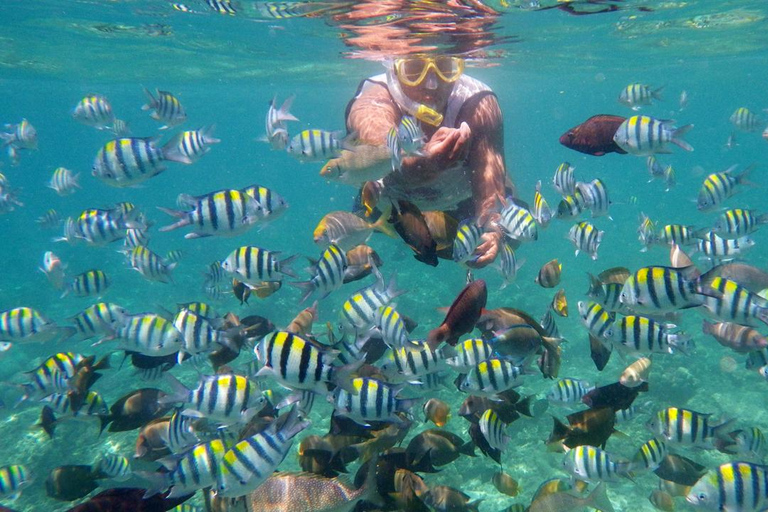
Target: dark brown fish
508,407
505,484
144,362
360,262
409,488
241,290
499,319
70,483
594,136
47,421
442,498
549,274
412,228
135,410
517,341
617,275
616,396
443,228
325,455
462,315
252,327
384,439
129,500
592,427
680,470
477,437
599,352
441,447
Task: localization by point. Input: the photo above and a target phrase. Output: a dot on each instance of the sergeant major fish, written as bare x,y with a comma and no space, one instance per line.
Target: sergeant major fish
167,108
276,131
644,135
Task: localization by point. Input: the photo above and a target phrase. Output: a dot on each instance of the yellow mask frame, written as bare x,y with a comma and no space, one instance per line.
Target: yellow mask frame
411,71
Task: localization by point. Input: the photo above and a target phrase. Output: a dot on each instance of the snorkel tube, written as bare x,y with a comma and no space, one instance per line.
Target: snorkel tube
420,111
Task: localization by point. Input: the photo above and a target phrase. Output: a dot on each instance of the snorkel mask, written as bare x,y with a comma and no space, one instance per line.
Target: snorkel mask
412,71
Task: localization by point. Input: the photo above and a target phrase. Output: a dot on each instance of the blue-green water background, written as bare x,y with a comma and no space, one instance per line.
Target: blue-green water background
225,69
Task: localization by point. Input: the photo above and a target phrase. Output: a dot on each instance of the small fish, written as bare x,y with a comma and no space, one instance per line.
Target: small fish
470,353
564,181
723,249
147,333
253,265
541,211
670,180
646,291
227,212
549,274
410,224
150,265
564,501
167,108
359,311
53,269
410,136
686,427
222,7
637,95
64,182
318,145
115,467
636,335
732,302
22,136
127,161
370,400
276,130
586,238
392,327
366,164
645,135
595,196
636,373
120,128
569,391
241,290
733,486
370,195
740,338
508,265
649,456
595,465
97,319
13,479
49,220
494,430
441,498
189,146
467,240
518,223
595,136
738,222
505,484
226,398
90,282
560,303
745,120
719,186
94,110
491,377
347,230
196,469
436,411
571,206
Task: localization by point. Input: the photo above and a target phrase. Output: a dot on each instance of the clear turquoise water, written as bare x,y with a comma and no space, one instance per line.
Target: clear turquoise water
224,69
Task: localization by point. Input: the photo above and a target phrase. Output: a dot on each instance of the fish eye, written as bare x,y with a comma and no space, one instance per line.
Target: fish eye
702,496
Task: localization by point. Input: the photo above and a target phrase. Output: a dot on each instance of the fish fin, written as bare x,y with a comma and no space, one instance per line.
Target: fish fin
678,133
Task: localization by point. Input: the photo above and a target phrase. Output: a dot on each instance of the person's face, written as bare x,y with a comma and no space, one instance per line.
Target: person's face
429,80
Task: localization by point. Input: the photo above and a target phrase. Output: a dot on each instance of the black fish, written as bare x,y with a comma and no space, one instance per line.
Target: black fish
594,136
134,410
616,396
592,427
47,421
680,470
70,483
599,352
482,443
440,446
412,228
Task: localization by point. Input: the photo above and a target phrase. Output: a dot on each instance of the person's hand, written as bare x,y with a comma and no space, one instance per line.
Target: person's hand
487,251
449,145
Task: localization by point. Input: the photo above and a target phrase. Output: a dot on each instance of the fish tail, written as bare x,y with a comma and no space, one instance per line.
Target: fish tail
285,266
171,150
179,394
158,482
308,287
678,134
151,98
599,499
382,226
284,114
656,94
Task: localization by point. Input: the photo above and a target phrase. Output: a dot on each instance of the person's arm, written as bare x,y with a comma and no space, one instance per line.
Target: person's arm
486,160
372,115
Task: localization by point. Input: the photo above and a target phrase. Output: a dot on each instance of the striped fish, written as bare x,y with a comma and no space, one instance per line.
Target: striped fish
94,110
569,391
595,318
49,220
595,196
328,274
393,145
227,212
677,234
167,108
226,398
189,146
563,181
638,335
508,265
101,227
90,282
410,136
493,430
296,362
115,467
738,222
646,231
518,223
541,210
179,435
649,456
686,427
147,333
645,135
467,240
96,320
657,289
371,400
358,313
128,161
198,334
637,95
732,302
470,353
251,461
222,7
605,294
174,255
548,324
199,308
491,377
745,120
92,405
594,465
13,479
318,145
120,128
253,265
135,237
273,205
64,182
215,273
22,136
150,265
197,468
276,132
719,186
750,442
723,249
413,361
732,487
51,376
23,324
571,206
392,327
586,237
